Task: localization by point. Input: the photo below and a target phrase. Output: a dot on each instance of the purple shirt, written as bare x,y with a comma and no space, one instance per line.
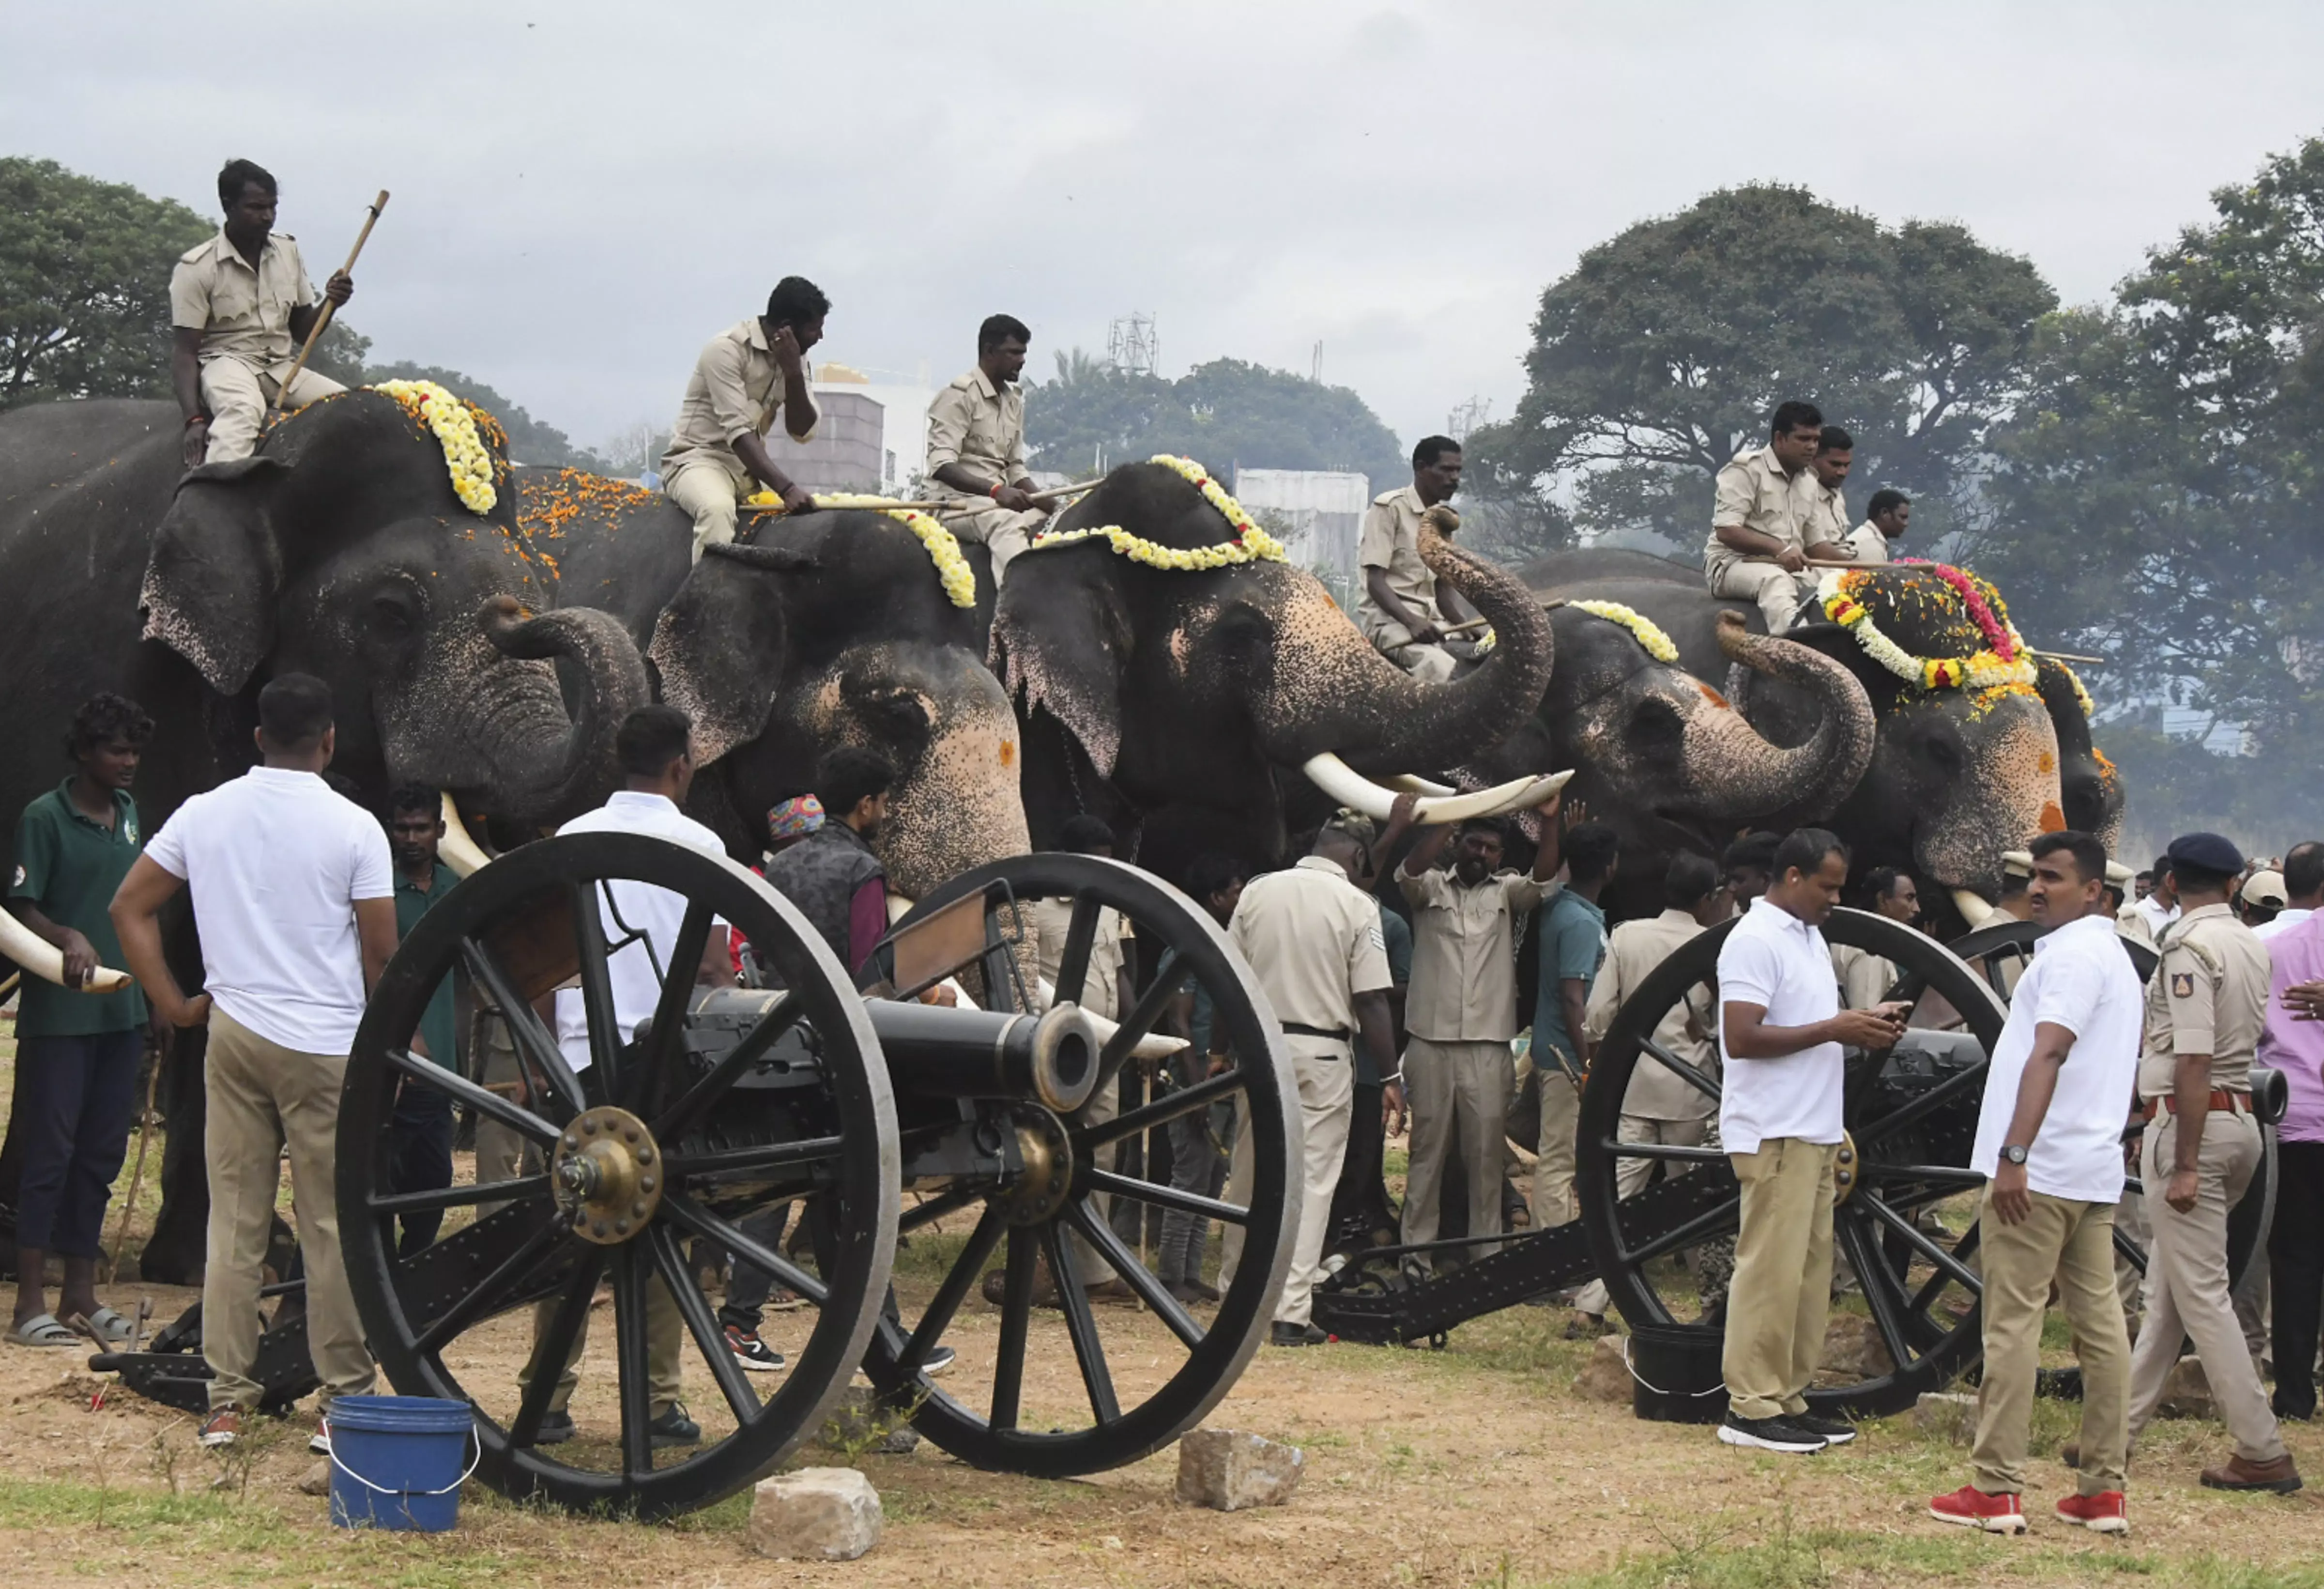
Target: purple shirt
2296,1048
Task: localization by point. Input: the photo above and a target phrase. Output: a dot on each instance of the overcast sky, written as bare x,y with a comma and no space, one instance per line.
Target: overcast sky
582,199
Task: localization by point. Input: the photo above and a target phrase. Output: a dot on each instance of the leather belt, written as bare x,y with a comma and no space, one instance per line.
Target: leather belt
1338,1034
2221,1101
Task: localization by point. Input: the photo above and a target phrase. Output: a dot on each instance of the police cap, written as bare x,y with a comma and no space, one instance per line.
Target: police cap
2206,851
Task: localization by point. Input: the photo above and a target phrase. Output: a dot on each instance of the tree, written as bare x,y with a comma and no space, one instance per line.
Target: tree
1223,413
85,284
530,441
1662,354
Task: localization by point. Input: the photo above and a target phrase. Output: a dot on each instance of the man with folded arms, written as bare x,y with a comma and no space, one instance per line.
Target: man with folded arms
2049,1142
1780,1032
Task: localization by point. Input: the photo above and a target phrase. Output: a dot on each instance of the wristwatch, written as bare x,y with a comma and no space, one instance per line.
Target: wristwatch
2012,1152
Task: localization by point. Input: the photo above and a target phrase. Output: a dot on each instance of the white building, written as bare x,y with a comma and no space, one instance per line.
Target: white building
1320,513
872,435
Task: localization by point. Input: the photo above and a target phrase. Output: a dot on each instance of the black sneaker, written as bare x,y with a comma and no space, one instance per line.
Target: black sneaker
1282,1334
673,1427
751,1352
1769,1434
938,1359
1835,1431
556,1429
319,1442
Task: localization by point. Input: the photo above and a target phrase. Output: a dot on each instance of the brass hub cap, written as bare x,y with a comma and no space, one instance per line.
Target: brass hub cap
1036,1194
1844,1168
607,1176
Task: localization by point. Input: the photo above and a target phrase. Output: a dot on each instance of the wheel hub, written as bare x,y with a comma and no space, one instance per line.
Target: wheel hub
607,1173
1037,1192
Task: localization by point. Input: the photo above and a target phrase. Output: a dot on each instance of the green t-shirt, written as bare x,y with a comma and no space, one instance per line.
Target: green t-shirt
1572,947
412,903
68,867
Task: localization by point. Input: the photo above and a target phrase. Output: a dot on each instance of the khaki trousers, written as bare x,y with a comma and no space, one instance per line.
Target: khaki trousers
1431,664
1630,1178
712,495
1780,595
998,530
501,1155
1327,1093
665,1348
236,396
1103,1105
1778,1304
2073,1243
1444,1082
2187,1282
1553,1202
262,1097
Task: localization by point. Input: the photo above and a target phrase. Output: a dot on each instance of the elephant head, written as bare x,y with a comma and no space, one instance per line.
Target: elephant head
833,629
341,549
2089,788
1167,686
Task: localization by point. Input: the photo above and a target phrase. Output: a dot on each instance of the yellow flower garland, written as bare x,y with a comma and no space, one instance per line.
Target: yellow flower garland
942,546
1643,629
2082,696
454,421
1986,669
1251,544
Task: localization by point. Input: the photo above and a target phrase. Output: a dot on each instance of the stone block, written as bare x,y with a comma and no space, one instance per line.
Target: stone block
1852,1347
859,1424
1949,1414
2187,1392
1227,1470
1605,1377
815,1514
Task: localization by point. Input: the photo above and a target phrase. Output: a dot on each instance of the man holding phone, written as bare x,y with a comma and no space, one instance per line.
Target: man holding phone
717,448
2049,1140
1781,1037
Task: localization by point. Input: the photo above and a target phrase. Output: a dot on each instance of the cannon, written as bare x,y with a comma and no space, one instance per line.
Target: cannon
729,1102
1905,1221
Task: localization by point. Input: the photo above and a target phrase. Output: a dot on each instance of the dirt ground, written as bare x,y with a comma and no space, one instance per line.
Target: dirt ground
1481,1463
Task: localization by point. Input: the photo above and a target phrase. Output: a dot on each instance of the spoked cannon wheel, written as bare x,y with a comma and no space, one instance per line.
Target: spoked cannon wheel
1070,1391
647,1145
1906,1223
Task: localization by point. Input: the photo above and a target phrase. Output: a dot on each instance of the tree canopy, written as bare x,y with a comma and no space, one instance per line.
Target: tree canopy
1223,413
529,440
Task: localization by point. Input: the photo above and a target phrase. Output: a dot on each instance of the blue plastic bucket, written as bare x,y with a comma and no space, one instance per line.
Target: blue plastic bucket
397,1461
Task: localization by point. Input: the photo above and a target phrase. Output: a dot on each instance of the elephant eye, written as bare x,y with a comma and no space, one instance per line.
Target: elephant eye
1942,754
394,611
904,711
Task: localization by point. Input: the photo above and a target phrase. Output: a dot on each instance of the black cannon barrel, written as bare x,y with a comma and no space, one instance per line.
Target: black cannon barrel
951,1053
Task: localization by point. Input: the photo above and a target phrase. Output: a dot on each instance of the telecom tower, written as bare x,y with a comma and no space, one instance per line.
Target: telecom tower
1472,415
1131,345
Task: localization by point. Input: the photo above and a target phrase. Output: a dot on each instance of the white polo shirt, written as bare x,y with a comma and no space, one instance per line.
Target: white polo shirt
1778,961
274,863
2286,920
2080,979
658,913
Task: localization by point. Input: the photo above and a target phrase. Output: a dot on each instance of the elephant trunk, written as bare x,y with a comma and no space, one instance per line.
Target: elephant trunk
529,761
1331,692
1735,774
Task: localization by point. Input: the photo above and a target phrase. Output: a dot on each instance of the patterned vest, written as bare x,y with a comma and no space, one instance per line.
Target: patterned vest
821,873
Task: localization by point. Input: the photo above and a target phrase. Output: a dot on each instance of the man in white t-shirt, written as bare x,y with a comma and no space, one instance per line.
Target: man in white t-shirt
2049,1142
294,896
652,746
2303,889
1780,1032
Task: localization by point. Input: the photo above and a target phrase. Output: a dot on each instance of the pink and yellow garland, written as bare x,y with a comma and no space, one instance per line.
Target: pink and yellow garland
2004,662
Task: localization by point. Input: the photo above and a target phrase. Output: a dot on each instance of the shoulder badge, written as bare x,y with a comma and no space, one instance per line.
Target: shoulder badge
2182,984
19,878
129,829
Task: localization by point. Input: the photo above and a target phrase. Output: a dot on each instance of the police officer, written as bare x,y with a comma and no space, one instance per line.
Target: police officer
1823,524
2205,1008
1314,940
976,447
717,449
1403,609
1762,499
1886,517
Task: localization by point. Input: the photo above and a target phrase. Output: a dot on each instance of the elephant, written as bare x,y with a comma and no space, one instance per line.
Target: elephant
339,549
1956,776
1169,699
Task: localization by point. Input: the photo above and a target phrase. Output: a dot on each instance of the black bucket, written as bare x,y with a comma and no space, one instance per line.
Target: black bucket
1676,1373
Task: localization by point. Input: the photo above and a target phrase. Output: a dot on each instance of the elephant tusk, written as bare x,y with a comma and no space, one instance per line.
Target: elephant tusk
1973,907
1351,789
44,960
456,849
1405,783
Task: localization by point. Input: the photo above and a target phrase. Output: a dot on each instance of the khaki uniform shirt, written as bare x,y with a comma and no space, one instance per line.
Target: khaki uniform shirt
241,313
1754,492
2207,996
734,391
1391,541
1101,988
1825,518
1633,953
980,427
1865,544
1314,940
1464,970
1864,977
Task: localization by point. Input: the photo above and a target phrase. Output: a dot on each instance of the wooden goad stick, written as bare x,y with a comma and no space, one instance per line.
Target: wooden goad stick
323,320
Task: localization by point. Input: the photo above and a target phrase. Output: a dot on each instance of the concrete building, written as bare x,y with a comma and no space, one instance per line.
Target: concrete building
872,437
1321,514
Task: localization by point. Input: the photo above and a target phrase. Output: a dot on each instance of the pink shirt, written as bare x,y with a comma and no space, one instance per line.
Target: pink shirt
2296,1048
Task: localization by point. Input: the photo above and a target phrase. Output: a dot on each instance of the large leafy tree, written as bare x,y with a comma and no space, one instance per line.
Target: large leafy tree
1662,353
85,284
530,441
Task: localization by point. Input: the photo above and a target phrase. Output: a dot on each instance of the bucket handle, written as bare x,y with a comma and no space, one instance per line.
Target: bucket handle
383,1490
1657,1389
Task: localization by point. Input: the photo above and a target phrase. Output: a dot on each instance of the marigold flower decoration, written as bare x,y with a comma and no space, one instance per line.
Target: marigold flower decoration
1643,629
1251,544
455,423
953,569
2005,660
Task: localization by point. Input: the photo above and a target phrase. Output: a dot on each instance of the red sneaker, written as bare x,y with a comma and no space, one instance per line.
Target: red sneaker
1996,1514
2102,1513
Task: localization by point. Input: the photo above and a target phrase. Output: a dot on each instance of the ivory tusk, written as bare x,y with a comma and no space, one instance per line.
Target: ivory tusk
456,849
1351,789
1405,783
1973,907
44,960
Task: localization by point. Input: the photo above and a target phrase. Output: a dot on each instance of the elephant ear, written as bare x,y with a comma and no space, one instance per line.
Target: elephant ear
1062,645
719,645
214,570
